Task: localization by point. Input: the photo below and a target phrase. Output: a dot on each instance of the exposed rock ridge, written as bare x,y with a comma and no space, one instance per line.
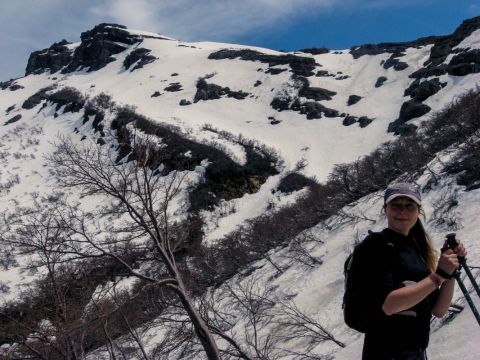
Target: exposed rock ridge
391,47
300,65
465,62
95,51
141,55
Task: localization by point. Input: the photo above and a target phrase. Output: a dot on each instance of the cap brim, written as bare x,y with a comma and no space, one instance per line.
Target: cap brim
391,197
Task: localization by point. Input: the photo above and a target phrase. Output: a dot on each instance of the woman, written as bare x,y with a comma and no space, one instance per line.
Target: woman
404,284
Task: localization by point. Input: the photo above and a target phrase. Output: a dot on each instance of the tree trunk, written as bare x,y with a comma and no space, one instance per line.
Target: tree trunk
201,329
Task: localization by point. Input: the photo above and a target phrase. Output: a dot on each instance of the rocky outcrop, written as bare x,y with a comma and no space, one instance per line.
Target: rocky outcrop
421,91
465,63
274,71
315,50
349,120
380,81
10,108
394,62
141,55
173,87
391,47
11,85
315,93
409,110
363,121
323,73
98,47
53,59
14,119
443,46
353,99
299,65
207,91
312,109
95,51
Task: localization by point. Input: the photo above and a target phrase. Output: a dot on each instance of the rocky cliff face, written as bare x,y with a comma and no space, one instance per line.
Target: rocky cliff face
94,52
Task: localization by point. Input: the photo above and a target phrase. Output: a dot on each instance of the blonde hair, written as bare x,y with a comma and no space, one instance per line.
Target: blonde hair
423,243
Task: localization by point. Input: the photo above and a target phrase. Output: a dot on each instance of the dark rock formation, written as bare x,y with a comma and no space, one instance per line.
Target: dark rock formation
10,108
185,102
274,121
156,94
174,87
443,46
300,65
315,50
410,110
141,55
413,109
14,119
390,47
98,45
464,63
207,91
323,73
315,93
281,104
95,51
364,121
421,91
394,62
275,71
16,87
353,99
6,84
349,120
239,95
411,88
380,81
313,110
54,59
257,83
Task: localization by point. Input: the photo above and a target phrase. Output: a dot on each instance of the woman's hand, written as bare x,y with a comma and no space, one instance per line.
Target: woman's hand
448,261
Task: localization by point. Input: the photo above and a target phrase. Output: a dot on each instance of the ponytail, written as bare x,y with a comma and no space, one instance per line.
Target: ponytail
423,243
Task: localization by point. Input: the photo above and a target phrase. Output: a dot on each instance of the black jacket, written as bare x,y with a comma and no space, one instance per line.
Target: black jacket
382,269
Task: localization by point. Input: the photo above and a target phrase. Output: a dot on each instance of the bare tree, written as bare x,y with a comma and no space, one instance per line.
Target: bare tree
132,229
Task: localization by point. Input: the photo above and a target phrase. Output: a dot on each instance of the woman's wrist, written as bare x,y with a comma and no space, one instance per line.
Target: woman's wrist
436,279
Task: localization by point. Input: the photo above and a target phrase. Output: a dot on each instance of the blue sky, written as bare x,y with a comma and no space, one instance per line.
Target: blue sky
29,25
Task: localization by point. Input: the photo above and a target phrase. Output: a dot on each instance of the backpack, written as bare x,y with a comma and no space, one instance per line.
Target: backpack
355,310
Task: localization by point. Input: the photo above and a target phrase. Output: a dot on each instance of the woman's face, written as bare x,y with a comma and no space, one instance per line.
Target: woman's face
402,214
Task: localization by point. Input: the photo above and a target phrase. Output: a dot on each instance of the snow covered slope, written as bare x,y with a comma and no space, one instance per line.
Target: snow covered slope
299,104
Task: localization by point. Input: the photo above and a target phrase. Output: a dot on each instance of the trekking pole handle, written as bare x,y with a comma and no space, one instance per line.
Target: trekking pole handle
452,244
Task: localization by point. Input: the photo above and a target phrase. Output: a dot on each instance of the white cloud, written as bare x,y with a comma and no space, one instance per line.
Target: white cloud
203,19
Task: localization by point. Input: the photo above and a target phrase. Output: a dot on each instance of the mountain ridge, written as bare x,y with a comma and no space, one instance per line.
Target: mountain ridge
283,133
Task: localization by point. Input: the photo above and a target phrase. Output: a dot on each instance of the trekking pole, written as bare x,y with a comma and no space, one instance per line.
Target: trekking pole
463,263
452,243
